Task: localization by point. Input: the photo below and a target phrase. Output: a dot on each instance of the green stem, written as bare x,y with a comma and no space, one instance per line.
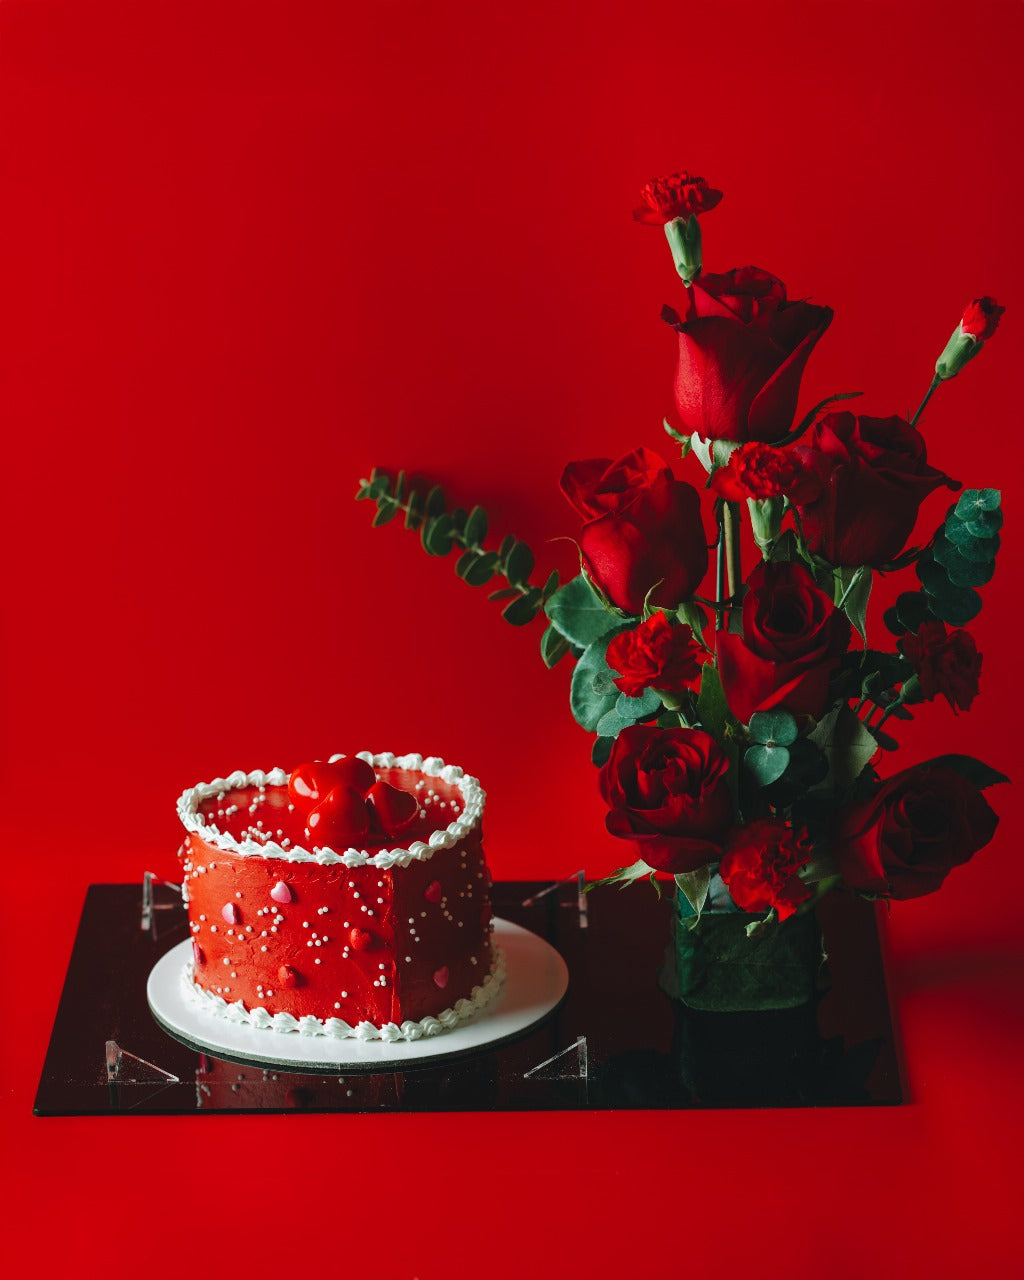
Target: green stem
720,565
927,396
732,546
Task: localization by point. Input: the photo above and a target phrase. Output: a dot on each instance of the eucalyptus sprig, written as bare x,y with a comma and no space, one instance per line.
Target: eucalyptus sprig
442,529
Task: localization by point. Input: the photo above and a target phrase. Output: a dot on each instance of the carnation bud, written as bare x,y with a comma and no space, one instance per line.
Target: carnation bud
977,324
683,235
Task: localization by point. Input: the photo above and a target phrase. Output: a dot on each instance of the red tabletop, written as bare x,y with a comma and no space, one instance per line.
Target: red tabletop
249,250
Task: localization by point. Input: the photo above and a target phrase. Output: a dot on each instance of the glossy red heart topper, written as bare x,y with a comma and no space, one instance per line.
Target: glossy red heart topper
309,784
345,805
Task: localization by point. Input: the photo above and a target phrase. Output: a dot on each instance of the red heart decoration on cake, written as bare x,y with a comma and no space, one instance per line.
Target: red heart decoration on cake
353,772
361,939
341,818
432,892
396,809
197,953
441,977
287,977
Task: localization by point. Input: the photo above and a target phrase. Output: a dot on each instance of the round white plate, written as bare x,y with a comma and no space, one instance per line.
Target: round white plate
536,979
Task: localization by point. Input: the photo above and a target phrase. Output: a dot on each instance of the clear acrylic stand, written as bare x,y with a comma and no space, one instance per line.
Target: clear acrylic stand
570,1063
131,1079
160,895
577,902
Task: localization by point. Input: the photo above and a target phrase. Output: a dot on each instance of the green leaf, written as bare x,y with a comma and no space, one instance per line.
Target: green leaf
475,531
399,489
504,593
519,564
600,751
694,886
913,609
633,709
957,606
465,562
970,573
387,509
985,524
856,592
712,708
579,614
380,483
611,724
524,610
849,746
982,775
765,763
624,875
972,502
482,569
435,501
773,728
553,646
414,510
438,535
459,517
550,587
589,698
677,436
691,613
979,550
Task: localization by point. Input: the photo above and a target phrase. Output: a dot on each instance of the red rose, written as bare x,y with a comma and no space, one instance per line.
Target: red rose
742,351
760,866
675,197
981,318
793,638
949,664
643,528
655,655
666,790
756,470
868,477
921,823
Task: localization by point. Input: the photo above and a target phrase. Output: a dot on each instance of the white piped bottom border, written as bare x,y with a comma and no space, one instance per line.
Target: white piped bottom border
536,979
210,1004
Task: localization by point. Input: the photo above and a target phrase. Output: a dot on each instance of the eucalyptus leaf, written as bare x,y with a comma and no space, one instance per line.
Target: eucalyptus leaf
611,724
600,751
481,571
970,573
475,531
775,728
633,709
985,524
435,501
957,606
387,509
765,763
973,502
519,564
553,646
590,677
913,609
524,610
579,614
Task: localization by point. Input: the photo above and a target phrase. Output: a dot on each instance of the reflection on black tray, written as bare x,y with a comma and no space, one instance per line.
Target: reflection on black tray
616,1042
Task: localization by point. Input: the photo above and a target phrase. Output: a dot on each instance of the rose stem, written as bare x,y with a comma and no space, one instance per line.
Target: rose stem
927,396
732,546
720,563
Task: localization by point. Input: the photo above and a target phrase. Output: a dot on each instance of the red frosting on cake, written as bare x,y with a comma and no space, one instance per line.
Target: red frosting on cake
355,943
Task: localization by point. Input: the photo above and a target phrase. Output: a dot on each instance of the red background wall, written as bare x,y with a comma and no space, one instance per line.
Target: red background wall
250,250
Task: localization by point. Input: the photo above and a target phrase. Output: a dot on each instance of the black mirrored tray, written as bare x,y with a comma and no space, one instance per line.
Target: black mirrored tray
615,1042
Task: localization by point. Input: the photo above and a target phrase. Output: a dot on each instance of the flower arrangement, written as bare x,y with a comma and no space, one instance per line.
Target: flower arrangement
742,732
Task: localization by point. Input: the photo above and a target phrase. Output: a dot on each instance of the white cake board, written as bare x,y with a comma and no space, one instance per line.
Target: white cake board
536,979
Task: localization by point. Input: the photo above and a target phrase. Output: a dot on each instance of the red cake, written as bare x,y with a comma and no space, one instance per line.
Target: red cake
350,898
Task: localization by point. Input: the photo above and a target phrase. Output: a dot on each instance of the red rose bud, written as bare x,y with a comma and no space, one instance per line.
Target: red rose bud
904,840
976,326
793,638
949,664
760,866
655,655
643,529
863,485
742,351
677,196
666,791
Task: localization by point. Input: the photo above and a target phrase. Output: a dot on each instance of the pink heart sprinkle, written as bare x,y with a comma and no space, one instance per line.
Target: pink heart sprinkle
230,913
432,892
281,892
441,977
197,952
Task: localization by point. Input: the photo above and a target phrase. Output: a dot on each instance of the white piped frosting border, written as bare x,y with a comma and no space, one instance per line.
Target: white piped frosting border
337,1028
473,797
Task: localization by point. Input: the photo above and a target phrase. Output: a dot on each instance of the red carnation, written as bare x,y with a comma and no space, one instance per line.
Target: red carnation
760,866
655,655
946,663
981,318
742,351
757,470
643,529
676,196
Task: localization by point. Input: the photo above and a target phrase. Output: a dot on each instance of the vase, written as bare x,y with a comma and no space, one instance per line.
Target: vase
714,965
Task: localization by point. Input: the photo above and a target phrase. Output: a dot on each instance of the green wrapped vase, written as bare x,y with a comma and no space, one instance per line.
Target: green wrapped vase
714,965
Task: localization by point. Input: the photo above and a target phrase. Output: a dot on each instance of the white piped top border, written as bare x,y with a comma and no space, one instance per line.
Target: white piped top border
473,797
